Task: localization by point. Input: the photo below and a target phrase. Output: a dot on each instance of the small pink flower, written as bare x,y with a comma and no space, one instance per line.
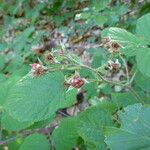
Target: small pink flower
37,69
35,66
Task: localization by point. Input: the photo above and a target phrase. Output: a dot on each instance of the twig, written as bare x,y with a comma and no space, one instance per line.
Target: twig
94,70
26,133
132,78
126,68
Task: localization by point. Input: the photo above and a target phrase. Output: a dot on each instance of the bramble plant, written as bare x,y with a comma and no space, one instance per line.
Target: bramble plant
52,98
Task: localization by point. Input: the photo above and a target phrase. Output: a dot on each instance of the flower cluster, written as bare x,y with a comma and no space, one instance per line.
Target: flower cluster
113,66
77,81
37,69
111,46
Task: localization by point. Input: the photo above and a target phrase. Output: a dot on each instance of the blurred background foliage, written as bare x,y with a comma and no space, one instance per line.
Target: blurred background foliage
28,24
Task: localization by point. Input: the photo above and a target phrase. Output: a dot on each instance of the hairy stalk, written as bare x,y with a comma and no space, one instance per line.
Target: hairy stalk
129,81
126,68
77,65
98,73
127,84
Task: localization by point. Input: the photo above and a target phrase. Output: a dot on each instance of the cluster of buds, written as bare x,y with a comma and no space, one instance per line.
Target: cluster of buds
106,42
37,69
114,66
76,81
112,46
49,57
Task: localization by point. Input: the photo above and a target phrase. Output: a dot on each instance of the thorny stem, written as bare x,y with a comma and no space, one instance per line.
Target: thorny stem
132,78
78,65
95,71
129,81
101,77
64,67
64,114
8,140
111,82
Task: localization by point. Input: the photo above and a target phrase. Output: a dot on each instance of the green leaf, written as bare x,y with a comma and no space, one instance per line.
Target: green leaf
2,62
98,57
15,145
70,97
2,78
90,126
143,61
99,5
20,41
134,132
142,26
127,40
99,19
35,142
123,99
36,99
120,35
11,124
104,103
105,88
5,87
142,81
65,136
83,16
43,123
91,89
34,13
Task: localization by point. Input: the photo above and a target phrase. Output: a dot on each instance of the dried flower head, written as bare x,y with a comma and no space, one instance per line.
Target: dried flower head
77,81
105,40
37,69
114,47
49,57
114,66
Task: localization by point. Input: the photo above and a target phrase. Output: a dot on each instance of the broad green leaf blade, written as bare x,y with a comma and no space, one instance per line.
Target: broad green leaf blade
120,35
134,132
143,26
33,13
70,97
15,145
10,124
99,19
5,87
123,99
36,99
35,142
65,136
43,123
91,89
90,126
127,40
142,81
143,61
